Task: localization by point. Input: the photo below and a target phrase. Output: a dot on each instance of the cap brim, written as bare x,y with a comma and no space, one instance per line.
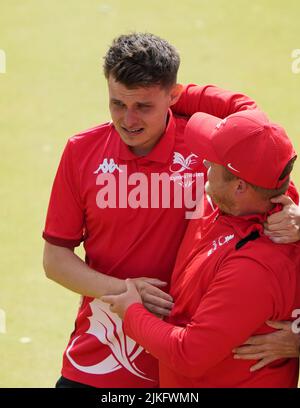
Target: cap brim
199,133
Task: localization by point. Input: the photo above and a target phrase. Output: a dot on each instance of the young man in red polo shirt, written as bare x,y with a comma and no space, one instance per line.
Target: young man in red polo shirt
229,278
96,199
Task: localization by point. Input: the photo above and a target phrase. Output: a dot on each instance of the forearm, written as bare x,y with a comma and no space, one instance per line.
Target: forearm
67,269
171,345
152,333
196,347
211,99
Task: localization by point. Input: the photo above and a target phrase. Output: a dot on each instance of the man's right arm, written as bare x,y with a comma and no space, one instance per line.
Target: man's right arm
63,266
212,100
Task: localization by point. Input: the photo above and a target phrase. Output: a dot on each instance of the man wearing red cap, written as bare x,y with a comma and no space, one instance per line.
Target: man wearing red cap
229,278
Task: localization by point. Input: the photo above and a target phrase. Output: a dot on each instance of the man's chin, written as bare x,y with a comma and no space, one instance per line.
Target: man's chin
134,140
213,197
207,190
131,143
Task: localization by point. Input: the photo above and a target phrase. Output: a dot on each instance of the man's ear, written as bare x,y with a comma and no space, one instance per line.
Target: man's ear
241,186
175,93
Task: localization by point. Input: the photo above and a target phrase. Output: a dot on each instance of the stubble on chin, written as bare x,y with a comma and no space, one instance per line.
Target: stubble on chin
223,202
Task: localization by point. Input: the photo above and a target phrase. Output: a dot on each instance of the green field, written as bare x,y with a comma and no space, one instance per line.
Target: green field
54,87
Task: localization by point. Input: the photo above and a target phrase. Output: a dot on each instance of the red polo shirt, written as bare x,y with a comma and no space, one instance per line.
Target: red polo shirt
124,241
225,287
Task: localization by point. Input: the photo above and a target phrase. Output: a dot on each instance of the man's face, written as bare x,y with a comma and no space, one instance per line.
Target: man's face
219,189
140,115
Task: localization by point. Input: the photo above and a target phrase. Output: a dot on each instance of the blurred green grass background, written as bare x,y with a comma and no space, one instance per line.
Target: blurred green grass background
54,87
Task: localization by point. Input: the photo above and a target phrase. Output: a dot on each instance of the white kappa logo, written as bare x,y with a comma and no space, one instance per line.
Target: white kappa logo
107,327
184,164
107,167
219,242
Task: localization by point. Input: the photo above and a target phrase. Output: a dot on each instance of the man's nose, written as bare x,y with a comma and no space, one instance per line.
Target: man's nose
207,163
130,118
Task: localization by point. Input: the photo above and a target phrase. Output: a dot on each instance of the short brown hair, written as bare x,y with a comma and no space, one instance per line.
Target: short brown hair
267,193
142,59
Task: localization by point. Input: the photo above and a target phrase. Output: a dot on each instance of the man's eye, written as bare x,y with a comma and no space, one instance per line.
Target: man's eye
144,107
119,104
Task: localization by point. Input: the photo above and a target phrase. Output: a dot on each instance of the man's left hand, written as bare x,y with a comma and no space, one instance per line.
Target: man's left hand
267,348
283,227
120,303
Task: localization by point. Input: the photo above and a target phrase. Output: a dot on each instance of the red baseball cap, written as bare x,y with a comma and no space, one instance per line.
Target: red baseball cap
246,143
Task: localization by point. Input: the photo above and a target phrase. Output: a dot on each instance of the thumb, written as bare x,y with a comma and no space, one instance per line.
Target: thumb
282,199
279,325
108,299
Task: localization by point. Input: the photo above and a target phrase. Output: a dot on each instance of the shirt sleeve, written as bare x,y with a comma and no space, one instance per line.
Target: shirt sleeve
237,303
65,216
212,100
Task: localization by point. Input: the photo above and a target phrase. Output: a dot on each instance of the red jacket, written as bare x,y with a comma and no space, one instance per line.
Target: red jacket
225,287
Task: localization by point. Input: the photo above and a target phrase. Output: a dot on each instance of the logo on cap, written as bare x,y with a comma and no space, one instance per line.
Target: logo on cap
232,168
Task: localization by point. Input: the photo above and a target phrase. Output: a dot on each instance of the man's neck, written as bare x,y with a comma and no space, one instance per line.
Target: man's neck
256,208
141,151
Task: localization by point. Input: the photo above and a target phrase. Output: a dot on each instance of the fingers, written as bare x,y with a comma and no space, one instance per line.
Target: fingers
248,350
278,228
158,293
108,299
111,301
283,325
257,340
282,199
282,227
157,301
284,235
280,216
280,240
262,356
155,282
145,288
250,356
260,339
287,224
262,363
286,214
275,218
157,310
284,239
